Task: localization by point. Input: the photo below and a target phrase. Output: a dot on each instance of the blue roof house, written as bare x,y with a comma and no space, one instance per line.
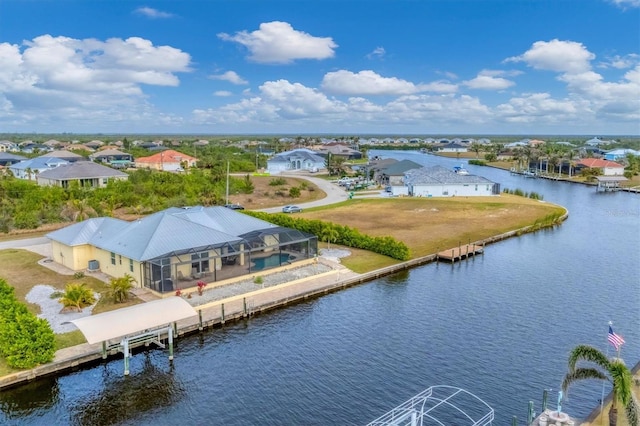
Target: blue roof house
29,169
175,248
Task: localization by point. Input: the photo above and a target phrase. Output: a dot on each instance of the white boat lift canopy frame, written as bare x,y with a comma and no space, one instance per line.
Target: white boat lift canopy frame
135,324
435,406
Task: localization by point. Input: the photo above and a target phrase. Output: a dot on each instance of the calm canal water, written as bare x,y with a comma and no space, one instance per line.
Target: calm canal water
500,326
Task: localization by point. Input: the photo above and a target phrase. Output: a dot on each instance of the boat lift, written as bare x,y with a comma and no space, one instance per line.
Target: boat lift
439,405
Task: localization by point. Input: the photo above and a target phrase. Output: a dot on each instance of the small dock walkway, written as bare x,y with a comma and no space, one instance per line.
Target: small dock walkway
459,253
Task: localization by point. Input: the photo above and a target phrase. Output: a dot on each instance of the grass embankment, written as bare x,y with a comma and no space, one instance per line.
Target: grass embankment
21,270
431,225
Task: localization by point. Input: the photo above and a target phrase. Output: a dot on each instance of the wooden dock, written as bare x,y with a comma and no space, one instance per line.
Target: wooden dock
459,253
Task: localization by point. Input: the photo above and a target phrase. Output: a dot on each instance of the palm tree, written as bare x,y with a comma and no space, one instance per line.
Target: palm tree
119,288
77,296
329,234
612,370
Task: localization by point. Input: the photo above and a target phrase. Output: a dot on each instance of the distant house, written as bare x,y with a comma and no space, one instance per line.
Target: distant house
438,181
608,168
167,160
88,175
620,154
29,169
94,144
8,146
453,147
69,156
339,151
177,247
393,174
112,157
7,159
297,159
31,148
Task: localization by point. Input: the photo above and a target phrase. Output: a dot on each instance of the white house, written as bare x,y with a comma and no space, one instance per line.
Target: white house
609,168
438,181
297,159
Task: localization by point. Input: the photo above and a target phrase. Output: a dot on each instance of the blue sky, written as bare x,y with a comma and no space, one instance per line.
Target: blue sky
422,67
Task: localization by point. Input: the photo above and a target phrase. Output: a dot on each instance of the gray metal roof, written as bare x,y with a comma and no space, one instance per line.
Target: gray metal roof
81,170
440,175
170,231
399,168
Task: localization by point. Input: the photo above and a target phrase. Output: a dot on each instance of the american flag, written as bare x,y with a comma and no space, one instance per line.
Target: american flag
614,339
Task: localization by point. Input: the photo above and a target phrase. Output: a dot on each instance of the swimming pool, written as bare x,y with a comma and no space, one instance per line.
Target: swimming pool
275,259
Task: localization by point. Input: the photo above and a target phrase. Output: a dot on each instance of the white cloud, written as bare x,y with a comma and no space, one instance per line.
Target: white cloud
65,79
278,43
378,53
222,93
621,62
489,80
365,82
626,3
230,76
150,12
370,83
556,55
539,108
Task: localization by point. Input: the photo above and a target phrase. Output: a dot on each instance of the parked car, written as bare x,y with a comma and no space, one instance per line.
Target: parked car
291,209
234,206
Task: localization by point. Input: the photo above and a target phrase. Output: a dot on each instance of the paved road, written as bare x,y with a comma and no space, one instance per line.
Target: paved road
23,243
335,193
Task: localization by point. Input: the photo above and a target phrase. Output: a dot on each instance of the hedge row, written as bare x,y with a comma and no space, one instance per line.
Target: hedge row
344,235
25,340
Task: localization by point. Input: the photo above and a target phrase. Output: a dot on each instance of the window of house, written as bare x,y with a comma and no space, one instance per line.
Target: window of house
200,262
131,265
113,258
120,259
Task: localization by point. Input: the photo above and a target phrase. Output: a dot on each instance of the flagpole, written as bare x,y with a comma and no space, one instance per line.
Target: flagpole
602,396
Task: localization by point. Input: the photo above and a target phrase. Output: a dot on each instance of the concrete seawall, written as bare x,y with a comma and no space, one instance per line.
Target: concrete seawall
235,308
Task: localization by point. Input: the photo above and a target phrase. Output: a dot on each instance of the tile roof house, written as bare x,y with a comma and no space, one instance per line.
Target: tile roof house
297,159
29,169
88,174
167,160
609,168
174,248
438,181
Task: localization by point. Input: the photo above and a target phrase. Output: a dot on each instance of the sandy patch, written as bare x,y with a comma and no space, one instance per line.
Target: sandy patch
50,309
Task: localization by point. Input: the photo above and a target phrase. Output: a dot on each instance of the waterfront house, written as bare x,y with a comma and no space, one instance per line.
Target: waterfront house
620,154
297,159
608,168
167,160
438,181
87,173
177,247
453,147
392,176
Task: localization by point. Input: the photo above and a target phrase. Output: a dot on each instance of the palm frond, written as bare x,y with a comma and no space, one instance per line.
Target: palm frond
622,380
632,410
582,374
589,354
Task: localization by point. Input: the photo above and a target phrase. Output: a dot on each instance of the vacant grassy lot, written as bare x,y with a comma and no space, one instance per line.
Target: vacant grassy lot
265,194
430,225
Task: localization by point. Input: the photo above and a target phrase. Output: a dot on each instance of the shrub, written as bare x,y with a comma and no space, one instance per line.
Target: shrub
277,182
258,280
77,296
294,192
25,340
78,275
119,288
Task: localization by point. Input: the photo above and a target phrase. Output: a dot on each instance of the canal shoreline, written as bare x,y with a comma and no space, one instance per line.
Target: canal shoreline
241,307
